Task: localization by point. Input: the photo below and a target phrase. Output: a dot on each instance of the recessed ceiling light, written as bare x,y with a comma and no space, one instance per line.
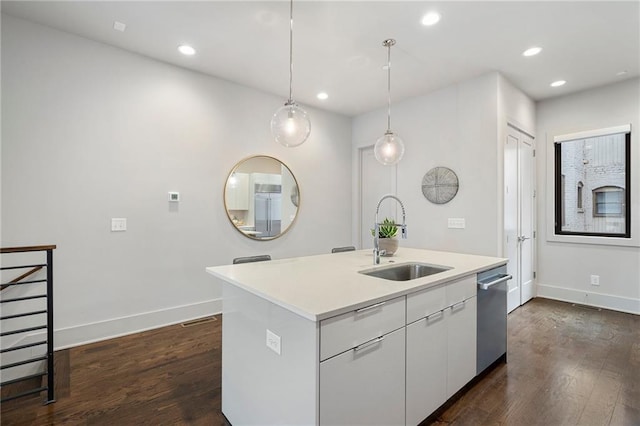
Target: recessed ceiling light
624,72
558,83
430,18
119,26
322,96
185,49
532,51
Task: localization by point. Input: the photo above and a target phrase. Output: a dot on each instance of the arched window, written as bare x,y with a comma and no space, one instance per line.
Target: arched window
579,197
608,201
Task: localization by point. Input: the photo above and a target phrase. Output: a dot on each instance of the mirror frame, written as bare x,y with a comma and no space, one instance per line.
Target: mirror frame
287,197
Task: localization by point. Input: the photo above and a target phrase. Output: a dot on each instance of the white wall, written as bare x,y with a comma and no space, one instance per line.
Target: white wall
565,268
456,127
91,132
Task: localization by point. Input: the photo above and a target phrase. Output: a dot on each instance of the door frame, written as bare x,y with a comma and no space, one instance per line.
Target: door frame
510,127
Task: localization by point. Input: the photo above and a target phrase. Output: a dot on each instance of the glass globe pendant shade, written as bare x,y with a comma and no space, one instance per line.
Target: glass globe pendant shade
389,149
290,125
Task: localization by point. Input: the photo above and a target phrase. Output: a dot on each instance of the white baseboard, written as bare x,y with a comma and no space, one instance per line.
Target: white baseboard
606,301
94,332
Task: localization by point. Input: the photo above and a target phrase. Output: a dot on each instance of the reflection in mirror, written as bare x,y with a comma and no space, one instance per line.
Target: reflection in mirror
259,197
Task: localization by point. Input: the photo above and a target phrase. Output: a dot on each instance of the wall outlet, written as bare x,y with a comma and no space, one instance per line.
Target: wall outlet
456,222
118,224
595,279
273,341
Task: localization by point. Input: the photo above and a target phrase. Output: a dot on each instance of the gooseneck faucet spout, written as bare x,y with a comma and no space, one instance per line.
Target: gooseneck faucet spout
376,227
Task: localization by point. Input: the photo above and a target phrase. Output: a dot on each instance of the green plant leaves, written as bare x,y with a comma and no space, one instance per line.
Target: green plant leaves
387,229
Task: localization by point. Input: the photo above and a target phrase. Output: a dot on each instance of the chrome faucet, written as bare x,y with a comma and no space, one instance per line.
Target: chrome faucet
376,228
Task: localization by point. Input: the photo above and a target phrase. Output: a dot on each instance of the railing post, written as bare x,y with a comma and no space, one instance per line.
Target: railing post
50,368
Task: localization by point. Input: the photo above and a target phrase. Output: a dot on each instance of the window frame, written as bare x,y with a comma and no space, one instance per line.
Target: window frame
559,190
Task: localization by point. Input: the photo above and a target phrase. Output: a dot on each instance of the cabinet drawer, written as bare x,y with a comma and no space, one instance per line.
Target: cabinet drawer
366,386
351,329
461,289
426,302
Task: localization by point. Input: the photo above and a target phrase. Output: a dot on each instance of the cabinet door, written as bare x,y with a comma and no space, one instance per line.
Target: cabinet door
426,366
365,385
461,344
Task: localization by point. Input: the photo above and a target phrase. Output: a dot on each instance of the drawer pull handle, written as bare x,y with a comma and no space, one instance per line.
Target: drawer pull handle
435,314
366,308
458,305
369,343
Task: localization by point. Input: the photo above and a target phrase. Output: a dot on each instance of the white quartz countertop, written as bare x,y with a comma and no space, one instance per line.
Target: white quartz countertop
322,286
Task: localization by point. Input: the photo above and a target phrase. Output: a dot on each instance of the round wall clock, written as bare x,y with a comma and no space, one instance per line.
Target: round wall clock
440,185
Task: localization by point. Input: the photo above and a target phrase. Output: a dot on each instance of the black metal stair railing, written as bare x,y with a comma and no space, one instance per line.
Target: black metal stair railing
17,302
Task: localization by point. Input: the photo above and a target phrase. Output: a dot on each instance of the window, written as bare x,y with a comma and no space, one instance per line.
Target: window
608,201
592,183
579,196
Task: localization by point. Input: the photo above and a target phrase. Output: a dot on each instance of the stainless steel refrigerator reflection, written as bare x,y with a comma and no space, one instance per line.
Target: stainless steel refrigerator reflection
268,210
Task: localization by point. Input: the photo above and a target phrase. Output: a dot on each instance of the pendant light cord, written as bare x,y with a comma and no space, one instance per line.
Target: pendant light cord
291,52
388,43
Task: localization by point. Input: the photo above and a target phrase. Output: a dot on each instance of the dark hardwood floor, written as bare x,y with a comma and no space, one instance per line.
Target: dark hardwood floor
568,365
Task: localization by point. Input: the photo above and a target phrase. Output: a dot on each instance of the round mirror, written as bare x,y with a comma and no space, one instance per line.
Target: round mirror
261,197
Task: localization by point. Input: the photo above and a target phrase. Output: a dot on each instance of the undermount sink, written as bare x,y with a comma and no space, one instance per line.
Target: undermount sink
405,271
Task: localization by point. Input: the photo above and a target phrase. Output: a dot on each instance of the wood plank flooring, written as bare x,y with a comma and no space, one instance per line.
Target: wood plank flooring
568,365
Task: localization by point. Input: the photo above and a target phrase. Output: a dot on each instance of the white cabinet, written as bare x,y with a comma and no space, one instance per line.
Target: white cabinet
237,193
362,368
426,366
441,345
365,385
461,344
393,362
346,331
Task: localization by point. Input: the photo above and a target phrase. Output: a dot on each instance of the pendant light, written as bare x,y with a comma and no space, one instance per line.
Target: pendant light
290,125
389,148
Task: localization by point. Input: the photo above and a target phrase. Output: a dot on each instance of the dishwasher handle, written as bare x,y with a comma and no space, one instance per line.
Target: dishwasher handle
501,278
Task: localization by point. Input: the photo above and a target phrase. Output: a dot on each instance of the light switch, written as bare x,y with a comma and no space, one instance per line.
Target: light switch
118,224
174,197
457,223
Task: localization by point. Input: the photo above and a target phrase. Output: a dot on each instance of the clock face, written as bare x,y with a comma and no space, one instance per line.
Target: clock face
440,185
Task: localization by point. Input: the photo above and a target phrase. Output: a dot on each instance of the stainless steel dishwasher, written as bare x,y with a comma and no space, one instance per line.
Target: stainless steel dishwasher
492,317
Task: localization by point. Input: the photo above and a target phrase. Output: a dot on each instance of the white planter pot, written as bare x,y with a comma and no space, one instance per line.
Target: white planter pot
389,245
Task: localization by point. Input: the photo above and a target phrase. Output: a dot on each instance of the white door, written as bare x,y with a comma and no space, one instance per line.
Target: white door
519,215
376,180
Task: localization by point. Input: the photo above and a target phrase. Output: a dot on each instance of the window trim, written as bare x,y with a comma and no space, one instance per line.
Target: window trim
558,184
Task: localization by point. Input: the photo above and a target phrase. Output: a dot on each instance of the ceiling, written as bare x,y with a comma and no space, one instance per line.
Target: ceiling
338,44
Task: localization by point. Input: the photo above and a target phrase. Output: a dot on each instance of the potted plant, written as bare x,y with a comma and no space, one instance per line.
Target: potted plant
387,241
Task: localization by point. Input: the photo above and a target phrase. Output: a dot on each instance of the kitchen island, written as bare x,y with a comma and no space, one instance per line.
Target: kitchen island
311,340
